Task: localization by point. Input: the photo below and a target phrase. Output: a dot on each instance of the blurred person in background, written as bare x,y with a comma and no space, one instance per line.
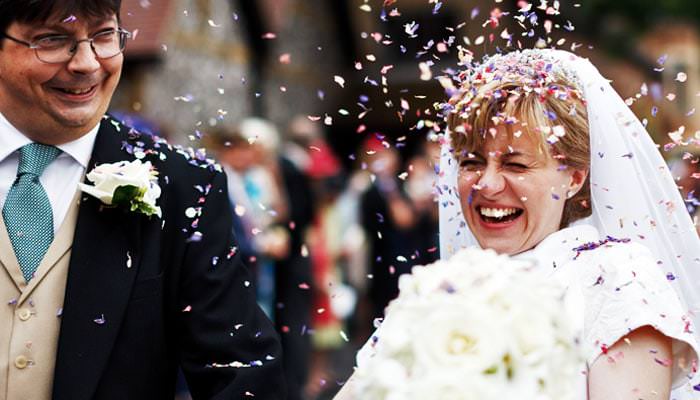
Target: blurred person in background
420,187
294,278
390,219
332,243
271,209
300,135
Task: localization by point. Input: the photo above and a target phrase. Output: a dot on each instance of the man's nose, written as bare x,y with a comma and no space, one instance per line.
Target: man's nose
84,60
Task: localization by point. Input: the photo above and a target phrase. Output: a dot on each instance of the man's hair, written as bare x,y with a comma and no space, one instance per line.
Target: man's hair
37,11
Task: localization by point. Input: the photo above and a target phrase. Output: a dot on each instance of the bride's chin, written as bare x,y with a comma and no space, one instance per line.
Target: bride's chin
499,245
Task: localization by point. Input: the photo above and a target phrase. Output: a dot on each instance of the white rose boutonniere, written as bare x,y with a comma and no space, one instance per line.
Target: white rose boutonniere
131,184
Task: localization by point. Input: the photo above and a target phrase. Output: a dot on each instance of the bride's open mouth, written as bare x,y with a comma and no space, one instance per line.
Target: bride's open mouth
497,215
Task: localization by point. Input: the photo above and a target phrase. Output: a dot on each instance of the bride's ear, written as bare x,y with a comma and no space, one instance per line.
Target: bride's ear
576,181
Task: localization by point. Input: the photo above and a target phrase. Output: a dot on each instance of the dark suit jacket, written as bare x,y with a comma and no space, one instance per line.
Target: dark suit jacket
183,299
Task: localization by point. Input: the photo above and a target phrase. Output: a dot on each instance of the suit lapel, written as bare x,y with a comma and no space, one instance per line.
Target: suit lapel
100,278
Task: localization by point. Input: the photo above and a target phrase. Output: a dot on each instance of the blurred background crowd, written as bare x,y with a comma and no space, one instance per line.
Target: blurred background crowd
322,114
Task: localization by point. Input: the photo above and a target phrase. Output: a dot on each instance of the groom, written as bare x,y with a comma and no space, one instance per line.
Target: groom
106,302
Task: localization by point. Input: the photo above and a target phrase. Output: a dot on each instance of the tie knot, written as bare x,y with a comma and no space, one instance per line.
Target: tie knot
35,157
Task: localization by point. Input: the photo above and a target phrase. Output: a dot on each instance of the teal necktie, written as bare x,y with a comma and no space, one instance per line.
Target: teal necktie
27,211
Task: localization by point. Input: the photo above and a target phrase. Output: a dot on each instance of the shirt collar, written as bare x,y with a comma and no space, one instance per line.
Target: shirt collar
558,248
11,140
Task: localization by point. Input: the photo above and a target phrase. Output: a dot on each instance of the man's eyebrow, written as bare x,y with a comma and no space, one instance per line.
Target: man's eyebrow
62,25
48,27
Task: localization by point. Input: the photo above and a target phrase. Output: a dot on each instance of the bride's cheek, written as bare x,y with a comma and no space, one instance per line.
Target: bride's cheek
466,182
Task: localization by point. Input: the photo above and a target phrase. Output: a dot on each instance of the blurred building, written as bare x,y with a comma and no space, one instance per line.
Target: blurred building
194,64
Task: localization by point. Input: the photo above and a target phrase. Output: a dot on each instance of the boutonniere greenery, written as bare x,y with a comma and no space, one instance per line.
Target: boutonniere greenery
129,184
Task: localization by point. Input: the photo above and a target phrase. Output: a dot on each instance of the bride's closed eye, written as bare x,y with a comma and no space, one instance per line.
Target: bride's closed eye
471,164
517,167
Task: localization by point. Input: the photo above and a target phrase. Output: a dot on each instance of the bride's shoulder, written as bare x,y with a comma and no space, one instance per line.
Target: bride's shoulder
617,263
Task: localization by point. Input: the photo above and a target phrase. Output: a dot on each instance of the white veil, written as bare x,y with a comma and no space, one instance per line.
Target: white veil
633,194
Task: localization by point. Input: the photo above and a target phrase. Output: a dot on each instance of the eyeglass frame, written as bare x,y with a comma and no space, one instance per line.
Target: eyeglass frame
124,36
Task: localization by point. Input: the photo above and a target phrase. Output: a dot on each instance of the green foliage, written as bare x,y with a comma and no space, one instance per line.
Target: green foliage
131,198
124,195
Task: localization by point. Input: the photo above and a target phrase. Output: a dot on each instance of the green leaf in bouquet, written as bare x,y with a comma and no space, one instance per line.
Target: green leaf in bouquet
491,370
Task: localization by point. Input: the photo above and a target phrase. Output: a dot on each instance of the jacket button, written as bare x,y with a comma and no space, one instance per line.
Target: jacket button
21,362
25,314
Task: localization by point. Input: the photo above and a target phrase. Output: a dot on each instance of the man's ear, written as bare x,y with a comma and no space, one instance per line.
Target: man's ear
578,178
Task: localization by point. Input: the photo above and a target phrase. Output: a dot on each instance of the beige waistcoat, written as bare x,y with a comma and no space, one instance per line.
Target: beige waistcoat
30,315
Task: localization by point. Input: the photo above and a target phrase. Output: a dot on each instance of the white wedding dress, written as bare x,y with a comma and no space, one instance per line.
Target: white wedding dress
612,290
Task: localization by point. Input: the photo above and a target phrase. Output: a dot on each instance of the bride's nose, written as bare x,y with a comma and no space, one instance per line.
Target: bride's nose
491,180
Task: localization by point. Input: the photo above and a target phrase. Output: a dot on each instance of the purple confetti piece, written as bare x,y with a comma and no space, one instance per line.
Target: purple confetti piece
195,237
101,320
474,13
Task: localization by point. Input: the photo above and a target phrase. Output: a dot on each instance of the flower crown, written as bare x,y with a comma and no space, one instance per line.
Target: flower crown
542,72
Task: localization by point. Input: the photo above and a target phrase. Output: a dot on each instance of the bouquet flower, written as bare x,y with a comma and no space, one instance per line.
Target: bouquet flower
477,326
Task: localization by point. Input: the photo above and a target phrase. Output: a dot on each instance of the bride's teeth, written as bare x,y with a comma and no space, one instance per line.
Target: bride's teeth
497,212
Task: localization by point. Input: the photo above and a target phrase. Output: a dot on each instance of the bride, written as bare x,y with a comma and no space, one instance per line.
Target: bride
544,161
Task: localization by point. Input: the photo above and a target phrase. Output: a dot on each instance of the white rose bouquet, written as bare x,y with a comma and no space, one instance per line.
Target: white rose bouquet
128,184
477,326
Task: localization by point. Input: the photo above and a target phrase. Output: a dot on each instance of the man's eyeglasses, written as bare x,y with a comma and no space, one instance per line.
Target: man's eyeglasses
56,49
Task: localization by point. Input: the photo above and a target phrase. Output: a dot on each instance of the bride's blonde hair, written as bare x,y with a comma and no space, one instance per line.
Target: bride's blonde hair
478,108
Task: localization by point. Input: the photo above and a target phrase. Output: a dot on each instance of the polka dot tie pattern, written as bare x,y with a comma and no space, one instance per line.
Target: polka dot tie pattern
27,210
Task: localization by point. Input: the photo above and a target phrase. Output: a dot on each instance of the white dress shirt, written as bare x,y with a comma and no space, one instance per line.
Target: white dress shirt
60,179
